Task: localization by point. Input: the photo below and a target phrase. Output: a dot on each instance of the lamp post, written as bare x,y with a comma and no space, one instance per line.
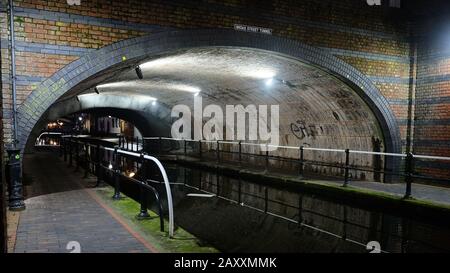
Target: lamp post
16,202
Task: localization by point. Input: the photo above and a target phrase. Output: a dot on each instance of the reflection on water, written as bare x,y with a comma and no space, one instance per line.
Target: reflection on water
248,217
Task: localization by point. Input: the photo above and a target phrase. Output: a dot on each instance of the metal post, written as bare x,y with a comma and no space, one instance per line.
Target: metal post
60,147
70,152
143,214
267,158
409,170
77,156
218,152
15,181
239,191
137,144
266,199
240,151
200,148
116,173
86,160
65,150
300,209
185,148
217,182
98,166
347,163
160,146
302,157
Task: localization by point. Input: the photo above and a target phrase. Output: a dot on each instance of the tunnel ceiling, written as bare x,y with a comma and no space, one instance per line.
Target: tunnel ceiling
316,108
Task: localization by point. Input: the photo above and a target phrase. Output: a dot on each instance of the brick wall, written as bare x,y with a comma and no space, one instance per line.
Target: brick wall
51,34
432,111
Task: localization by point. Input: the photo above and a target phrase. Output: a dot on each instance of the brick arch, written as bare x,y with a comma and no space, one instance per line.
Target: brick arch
140,48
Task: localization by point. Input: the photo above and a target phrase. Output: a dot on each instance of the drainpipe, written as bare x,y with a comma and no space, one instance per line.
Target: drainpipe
411,95
13,71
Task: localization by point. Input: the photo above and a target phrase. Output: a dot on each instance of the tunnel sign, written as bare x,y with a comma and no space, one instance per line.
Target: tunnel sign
253,29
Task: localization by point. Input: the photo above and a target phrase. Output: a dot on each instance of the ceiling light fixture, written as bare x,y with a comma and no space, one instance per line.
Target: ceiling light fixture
139,72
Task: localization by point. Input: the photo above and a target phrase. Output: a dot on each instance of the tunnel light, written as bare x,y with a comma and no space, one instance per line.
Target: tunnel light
132,174
154,102
196,94
80,118
109,117
110,166
139,72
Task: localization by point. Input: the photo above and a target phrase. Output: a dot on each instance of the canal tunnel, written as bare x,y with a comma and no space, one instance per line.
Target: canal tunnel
320,104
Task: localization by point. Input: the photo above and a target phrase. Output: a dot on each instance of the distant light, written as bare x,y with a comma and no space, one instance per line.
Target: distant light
110,166
139,72
109,116
154,102
196,94
131,174
269,82
80,118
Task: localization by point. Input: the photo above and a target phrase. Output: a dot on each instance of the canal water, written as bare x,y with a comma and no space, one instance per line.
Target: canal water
235,215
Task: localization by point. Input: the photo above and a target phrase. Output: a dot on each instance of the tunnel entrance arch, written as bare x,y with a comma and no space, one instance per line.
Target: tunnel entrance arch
90,68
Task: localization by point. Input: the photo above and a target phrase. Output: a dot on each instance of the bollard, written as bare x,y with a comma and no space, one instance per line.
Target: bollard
347,163
409,169
15,189
301,167
116,173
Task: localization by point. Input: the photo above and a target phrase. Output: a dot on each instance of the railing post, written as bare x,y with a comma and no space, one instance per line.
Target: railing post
143,214
185,148
347,163
77,156
86,160
65,150
239,191
267,158
240,151
160,146
409,170
98,166
218,151
60,147
200,148
70,152
266,199
116,173
300,209
302,158
137,144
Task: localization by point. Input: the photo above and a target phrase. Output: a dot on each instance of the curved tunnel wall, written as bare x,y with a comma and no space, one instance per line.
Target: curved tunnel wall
73,77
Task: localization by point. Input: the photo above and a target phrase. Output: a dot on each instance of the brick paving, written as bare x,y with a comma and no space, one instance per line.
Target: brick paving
55,217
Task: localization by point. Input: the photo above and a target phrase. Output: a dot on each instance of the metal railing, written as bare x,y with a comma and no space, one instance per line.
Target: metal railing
71,145
208,149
